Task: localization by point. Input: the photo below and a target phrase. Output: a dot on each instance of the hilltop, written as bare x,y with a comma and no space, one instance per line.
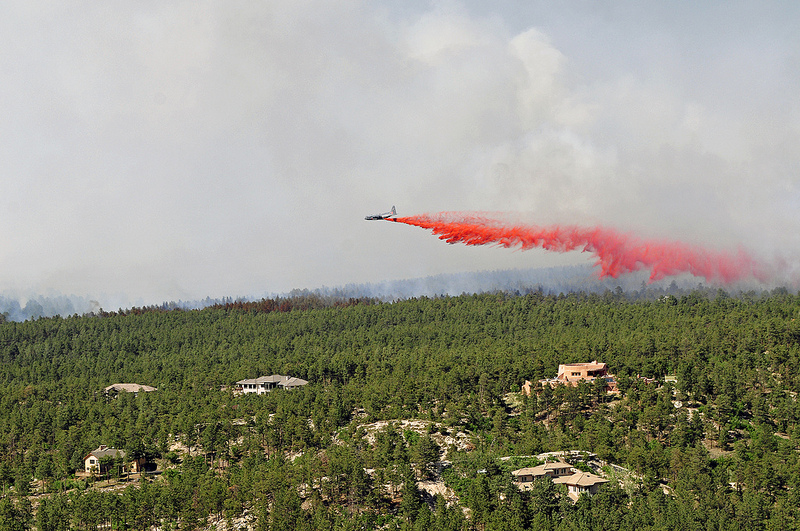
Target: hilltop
547,281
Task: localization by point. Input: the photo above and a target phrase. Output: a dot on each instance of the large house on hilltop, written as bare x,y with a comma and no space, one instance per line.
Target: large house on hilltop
265,384
561,473
573,373
551,470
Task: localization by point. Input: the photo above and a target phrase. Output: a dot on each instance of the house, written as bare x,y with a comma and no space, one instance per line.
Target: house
97,461
551,470
573,373
580,483
561,473
265,384
92,464
134,388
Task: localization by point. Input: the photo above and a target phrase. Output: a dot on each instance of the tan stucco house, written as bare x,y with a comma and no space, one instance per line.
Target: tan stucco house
573,373
580,483
551,470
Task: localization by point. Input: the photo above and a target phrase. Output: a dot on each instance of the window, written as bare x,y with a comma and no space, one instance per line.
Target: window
576,374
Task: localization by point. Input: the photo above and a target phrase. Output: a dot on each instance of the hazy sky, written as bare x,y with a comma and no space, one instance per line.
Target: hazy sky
158,151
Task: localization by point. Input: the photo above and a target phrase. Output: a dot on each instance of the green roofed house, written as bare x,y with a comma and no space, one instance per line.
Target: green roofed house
91,463
98,461
265,384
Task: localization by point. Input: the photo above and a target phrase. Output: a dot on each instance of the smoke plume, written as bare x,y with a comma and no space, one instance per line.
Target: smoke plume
617,253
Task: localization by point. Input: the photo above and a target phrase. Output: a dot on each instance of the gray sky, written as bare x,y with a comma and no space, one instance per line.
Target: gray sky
174,150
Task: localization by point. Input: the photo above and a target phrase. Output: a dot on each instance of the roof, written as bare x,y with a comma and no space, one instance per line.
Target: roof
594,365
541,470
129,388
293,382
530,471
555,464
581,479
278,379
275,378
105,451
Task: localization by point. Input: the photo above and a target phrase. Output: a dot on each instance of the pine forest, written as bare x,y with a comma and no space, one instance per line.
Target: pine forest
413,417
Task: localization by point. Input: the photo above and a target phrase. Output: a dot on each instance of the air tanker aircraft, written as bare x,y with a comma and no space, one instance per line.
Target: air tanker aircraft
385,215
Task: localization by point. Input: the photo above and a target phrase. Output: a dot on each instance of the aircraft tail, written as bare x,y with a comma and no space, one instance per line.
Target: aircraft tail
394,212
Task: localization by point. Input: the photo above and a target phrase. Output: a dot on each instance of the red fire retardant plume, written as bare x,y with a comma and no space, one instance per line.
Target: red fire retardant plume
616,253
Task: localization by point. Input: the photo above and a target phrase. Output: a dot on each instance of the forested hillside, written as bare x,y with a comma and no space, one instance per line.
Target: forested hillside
716,450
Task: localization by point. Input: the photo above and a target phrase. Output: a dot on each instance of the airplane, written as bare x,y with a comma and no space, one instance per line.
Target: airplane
385,215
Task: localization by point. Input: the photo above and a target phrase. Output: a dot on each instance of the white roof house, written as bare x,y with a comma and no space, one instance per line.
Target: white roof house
265,384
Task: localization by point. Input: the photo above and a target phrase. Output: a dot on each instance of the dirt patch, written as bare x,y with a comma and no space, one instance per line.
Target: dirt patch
459,440
430,489
714,451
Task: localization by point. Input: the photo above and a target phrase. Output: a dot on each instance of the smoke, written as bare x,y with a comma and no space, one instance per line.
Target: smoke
617,253
162,151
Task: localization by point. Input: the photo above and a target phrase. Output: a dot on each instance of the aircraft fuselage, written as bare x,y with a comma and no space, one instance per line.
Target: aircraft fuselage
385,215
